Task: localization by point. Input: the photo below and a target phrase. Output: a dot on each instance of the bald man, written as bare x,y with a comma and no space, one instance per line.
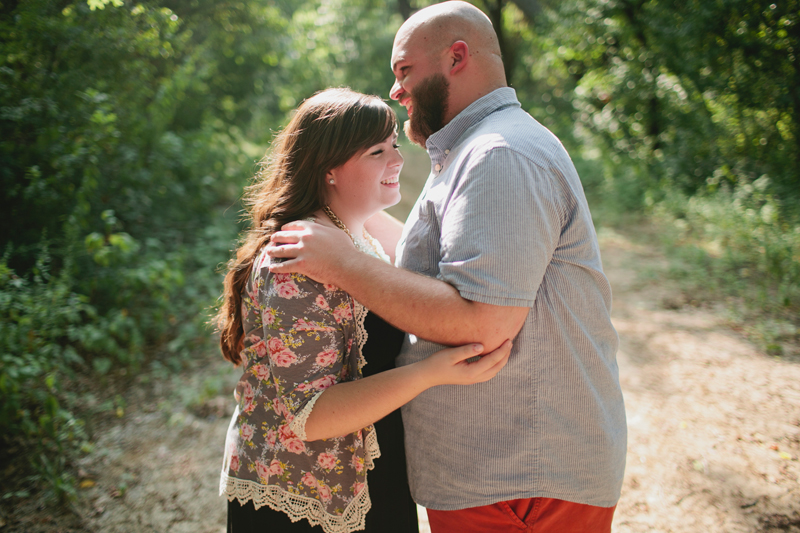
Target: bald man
500,245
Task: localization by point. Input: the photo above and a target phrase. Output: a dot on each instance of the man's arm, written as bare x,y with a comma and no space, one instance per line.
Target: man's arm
423,306
387,230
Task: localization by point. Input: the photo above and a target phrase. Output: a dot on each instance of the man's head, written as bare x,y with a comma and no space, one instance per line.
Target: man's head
445,57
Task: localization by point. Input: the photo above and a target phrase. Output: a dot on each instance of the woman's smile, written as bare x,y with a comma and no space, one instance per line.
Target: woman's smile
392,182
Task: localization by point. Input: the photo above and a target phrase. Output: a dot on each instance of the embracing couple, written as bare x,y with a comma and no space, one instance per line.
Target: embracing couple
519,425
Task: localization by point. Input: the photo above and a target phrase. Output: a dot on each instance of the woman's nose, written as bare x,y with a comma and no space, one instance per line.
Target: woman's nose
398,159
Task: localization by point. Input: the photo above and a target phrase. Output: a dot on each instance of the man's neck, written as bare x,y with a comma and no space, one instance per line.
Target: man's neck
459,102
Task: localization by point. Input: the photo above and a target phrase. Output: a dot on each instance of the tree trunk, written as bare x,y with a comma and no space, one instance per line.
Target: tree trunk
495,13
404,6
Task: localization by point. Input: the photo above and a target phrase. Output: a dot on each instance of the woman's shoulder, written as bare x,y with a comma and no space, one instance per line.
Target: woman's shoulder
289,286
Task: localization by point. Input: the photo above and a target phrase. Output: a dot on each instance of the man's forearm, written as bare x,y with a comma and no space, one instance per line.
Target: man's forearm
426,307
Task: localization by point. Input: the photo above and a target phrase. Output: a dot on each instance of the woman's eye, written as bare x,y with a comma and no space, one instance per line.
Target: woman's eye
395,146
377,152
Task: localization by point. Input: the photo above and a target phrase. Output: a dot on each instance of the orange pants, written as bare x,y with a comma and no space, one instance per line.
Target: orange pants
531,515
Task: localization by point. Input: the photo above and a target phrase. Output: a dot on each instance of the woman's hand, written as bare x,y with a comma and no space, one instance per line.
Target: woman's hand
450,366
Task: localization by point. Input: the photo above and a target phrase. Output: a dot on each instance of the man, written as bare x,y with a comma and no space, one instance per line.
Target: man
500,244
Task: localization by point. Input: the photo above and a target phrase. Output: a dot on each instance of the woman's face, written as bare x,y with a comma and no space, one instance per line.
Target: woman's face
367,182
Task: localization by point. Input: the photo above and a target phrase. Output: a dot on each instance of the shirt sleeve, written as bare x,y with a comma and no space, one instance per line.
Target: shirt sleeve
500,228
309,333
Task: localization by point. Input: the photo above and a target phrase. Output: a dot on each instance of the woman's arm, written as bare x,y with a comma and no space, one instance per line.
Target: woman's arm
347,407
307,331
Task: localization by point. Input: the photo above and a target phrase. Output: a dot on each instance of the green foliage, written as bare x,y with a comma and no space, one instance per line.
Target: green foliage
338,43
101,166
127,133
745,228
692,94
41,324
128,130
735,244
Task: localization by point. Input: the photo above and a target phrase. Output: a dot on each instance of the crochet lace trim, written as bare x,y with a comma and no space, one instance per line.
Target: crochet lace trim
360,312
360,315
298,507
298,424
372,449
376,250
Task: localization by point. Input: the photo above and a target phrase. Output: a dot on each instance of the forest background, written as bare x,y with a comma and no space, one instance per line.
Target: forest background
129,129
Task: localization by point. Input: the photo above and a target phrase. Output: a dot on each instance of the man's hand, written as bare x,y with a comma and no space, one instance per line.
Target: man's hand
311,249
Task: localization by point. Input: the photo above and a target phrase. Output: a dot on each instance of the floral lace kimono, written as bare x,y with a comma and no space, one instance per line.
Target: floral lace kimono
301,337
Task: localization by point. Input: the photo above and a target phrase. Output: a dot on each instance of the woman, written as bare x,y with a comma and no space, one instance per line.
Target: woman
301,441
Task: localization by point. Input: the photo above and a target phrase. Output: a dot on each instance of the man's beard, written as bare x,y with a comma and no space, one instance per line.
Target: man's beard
429,106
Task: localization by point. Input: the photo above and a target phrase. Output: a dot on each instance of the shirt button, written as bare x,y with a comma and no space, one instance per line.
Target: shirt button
446,152
438,167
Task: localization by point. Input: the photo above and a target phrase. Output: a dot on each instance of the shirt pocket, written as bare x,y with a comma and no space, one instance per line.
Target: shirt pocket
420,246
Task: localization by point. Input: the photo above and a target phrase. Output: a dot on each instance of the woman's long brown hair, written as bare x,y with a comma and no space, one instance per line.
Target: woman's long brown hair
325,132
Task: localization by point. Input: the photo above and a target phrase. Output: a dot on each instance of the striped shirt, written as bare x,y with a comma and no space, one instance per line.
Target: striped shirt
504,219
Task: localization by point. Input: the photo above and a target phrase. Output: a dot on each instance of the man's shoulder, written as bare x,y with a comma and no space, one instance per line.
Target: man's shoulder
515,132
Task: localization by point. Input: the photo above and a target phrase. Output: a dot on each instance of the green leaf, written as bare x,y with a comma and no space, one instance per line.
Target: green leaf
102,365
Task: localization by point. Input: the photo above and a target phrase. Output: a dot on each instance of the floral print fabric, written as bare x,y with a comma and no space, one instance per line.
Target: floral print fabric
300,339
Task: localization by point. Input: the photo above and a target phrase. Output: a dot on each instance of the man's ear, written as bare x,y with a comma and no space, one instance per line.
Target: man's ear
459,56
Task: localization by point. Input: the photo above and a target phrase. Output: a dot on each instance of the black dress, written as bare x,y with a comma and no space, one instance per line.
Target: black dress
393,510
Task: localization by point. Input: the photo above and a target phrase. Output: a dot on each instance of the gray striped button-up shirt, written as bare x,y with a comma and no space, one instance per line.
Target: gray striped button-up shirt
504,219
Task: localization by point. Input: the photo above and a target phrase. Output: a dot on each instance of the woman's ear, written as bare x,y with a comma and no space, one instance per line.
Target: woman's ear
330,178
459,56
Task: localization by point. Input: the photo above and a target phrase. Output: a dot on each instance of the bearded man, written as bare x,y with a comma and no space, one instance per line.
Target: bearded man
499,245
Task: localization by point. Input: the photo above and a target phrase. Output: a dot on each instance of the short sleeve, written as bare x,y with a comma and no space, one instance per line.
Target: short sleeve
308,333
500,229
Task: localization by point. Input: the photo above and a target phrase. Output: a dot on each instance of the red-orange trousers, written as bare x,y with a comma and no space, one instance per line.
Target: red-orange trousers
530,515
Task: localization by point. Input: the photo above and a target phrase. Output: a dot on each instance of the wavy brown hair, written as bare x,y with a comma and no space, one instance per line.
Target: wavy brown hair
325,132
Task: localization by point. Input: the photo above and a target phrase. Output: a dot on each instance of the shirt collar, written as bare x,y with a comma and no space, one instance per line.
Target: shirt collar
440,143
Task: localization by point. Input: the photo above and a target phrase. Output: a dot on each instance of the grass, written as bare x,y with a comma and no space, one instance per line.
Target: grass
733,251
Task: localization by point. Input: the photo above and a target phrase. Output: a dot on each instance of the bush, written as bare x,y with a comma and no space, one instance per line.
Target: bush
41,326
127,132
54,342
737,244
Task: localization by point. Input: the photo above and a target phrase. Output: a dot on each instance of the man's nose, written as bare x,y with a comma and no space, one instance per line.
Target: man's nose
397,91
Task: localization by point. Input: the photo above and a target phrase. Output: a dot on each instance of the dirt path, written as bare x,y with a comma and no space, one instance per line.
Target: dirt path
714,425
714,428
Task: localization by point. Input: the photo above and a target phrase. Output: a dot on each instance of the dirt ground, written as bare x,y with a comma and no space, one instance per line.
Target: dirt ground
713,446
